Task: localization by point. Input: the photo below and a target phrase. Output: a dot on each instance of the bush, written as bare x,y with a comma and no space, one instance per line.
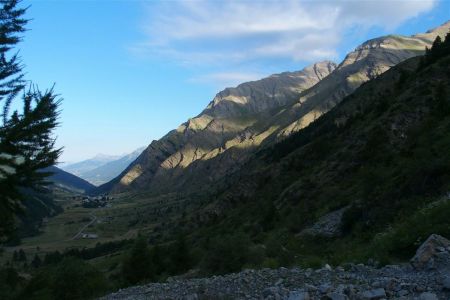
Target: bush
227,254
408,234
275,250
9,280
138,264
351,216
180,257
76,279
71,279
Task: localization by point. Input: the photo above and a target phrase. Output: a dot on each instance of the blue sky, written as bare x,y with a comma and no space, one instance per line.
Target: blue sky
130,71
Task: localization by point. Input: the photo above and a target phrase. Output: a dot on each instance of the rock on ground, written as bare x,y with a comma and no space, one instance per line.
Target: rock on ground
356,282
430,251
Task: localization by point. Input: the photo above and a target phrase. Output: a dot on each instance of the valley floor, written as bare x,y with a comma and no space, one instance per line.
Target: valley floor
80,227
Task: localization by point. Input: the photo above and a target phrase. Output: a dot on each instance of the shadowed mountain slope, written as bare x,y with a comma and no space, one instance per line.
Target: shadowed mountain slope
67,181
376,165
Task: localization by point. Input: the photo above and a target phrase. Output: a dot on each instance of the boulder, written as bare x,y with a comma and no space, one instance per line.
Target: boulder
428,296
424,258
325,288
337,296
446,282
298,295
379,293
270,291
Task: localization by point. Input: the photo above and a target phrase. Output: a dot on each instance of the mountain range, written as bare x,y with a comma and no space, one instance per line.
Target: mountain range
242,120
78,168
102,168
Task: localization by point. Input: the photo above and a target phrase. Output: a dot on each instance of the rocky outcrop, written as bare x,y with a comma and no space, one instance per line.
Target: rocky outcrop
328,225
432,254
354,282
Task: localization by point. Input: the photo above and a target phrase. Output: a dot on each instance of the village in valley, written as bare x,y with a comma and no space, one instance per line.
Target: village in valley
94,202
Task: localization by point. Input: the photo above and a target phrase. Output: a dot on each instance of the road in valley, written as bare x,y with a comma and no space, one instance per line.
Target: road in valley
94,218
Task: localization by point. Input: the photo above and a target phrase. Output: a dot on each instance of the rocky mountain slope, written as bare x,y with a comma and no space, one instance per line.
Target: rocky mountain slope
241,120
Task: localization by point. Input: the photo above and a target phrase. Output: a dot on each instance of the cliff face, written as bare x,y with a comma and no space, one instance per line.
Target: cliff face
256,114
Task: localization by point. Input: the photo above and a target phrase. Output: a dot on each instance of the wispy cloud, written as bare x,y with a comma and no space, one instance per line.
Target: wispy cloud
227,79
231,32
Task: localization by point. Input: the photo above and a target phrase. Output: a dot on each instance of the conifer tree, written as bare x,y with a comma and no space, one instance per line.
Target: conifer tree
12,23
180,257
36,262
446,44
26,141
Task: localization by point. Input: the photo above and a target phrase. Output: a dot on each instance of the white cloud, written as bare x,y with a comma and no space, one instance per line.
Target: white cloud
384,13
227,79
217,19
231,32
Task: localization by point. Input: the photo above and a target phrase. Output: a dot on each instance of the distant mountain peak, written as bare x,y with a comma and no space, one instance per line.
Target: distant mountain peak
102,168
102,156
439,29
